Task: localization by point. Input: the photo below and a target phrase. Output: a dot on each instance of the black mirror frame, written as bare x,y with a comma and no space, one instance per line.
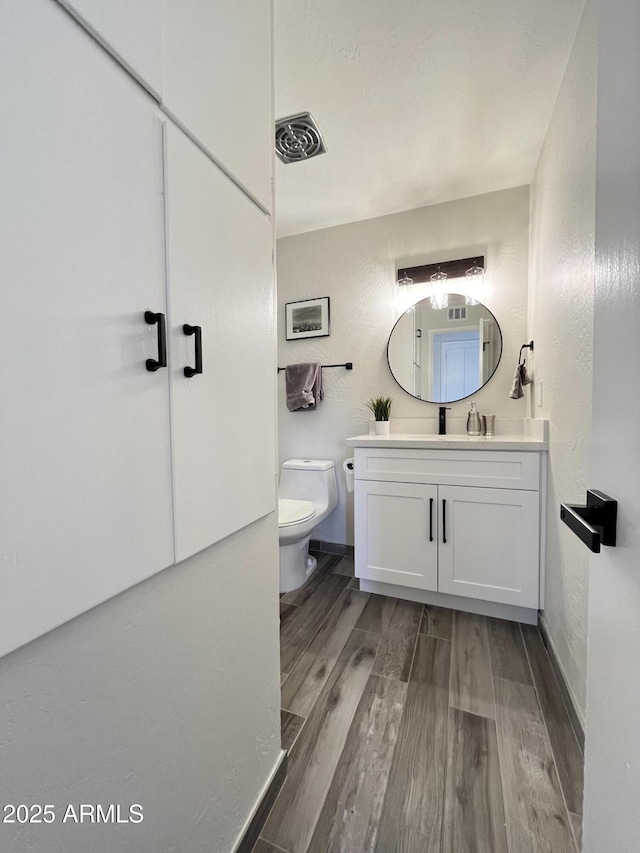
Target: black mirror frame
458,399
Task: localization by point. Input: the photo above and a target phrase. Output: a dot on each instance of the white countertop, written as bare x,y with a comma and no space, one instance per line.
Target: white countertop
450,442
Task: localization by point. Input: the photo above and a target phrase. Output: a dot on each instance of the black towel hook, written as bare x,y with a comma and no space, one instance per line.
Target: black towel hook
525,346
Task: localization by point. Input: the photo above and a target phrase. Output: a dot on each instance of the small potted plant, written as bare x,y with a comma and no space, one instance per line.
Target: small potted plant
381,408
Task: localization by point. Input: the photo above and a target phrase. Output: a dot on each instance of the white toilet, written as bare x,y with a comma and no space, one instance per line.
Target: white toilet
307,493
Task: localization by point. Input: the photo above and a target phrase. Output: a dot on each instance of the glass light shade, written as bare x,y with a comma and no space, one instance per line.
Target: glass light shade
475,279
439,298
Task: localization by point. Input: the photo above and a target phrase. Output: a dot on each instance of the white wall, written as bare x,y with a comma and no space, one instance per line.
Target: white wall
167,695
561,293
355,265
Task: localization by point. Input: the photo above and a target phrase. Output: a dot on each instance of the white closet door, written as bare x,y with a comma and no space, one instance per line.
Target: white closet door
218,83
131,30
85,479
220,278
492,544
396,526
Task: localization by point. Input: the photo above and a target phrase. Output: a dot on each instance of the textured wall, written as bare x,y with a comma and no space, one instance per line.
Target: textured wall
561,323
356,266
167,695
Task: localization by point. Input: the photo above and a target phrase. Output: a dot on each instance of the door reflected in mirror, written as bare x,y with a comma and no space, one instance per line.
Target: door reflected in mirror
441,355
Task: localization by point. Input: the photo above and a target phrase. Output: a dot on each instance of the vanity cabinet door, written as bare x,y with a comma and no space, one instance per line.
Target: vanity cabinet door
219,249
491,550
396,528
85,482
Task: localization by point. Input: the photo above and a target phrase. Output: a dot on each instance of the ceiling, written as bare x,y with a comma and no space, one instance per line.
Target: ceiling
419,101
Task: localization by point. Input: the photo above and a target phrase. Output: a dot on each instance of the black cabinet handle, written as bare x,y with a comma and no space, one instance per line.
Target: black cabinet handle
157,319
430,519
444,521
197,331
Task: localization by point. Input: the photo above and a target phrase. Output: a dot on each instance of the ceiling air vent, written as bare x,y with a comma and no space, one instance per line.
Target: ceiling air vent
298,138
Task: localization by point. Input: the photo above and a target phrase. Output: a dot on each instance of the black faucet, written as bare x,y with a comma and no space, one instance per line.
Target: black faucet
442,419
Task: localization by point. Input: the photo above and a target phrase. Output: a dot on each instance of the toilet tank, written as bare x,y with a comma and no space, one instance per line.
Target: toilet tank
309,480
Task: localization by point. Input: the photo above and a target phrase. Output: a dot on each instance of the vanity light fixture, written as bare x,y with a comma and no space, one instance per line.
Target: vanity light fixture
452,269
439,298
475,279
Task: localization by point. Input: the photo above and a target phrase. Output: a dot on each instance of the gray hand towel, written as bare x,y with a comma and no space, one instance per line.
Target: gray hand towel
303,386
520,378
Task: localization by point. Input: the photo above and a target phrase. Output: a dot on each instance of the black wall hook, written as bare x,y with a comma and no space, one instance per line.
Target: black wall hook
525,346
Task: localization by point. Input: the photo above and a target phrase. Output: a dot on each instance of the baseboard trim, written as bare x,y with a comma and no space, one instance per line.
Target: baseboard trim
260,813
453,602
331,548
563,684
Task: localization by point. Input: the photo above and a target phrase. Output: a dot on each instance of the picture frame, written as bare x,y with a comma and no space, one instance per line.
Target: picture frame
307,318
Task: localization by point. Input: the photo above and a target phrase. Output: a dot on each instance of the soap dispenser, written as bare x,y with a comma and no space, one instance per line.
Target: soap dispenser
473,421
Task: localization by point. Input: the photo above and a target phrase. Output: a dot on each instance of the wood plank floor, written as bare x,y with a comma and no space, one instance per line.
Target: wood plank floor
416,729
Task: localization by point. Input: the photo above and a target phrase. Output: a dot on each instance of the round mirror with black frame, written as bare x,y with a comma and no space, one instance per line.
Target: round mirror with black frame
441,355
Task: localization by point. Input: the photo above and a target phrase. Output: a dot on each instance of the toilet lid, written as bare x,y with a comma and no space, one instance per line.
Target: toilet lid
292,512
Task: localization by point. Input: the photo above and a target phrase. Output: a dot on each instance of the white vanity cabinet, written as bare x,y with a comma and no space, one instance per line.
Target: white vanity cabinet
462,523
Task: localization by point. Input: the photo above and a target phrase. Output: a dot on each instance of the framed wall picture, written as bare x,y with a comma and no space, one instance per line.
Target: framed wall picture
308,318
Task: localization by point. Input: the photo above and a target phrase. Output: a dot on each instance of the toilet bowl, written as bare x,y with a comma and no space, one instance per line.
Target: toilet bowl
307,493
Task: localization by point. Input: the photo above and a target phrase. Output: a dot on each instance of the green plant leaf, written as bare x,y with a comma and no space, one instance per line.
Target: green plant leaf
381,407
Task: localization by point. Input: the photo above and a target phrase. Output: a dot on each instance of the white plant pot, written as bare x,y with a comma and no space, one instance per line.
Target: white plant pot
382,427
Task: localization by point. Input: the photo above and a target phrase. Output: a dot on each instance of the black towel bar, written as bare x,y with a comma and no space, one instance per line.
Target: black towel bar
347,366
